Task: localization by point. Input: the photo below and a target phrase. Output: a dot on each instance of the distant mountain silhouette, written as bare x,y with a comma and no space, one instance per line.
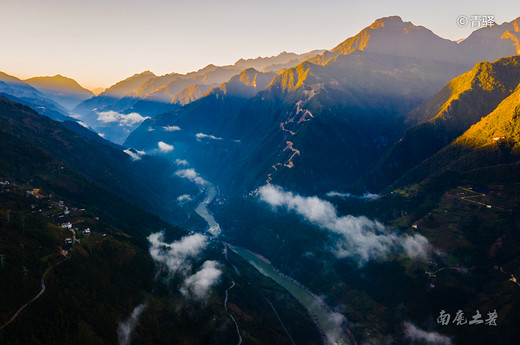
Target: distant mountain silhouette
281,61
21,92
149,95
332,116
62,90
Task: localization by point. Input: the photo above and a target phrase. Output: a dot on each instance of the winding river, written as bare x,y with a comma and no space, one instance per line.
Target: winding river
329,322
202,209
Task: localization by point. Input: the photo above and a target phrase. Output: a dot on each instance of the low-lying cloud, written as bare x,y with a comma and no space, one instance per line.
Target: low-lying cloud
207,136
176,256
171,128
366,196
127,120
179,257
335,334
199,284
134,154
163,147
83,124
191,175
184,198
358,237
181,162
125,328
415,334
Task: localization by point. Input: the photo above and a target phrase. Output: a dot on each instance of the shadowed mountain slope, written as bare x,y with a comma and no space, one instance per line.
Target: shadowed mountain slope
62,90
456,107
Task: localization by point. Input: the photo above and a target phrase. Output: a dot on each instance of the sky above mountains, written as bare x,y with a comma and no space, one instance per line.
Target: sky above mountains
100,42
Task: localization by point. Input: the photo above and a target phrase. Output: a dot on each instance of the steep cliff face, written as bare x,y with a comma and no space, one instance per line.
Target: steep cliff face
460,104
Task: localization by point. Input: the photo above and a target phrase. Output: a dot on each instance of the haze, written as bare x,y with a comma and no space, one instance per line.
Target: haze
100,42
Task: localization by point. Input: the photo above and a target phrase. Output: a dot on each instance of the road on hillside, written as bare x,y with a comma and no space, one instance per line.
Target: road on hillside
42,290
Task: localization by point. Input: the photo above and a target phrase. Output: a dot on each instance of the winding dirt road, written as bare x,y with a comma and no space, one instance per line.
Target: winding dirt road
42,290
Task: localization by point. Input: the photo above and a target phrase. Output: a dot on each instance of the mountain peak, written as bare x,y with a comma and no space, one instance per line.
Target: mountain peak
391,20
245,84
147,72
5,76
249,71
62,90
208,68
392,36
492,43
128,86
57,81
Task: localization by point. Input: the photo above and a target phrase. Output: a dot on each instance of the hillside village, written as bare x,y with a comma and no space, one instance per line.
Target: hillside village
71,224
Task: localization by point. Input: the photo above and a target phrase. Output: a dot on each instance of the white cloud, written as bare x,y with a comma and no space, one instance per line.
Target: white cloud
184,197
334,334
171,128
178,257
134,154
128,120
333,193
359,237
199,283
175,256
108,116
414,334
202,135
132,119
367,196
83,124
181,162
163,147
191,175
125,329
416,247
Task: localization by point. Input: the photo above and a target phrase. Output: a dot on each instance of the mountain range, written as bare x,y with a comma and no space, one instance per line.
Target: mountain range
488,147
62,90
149,95
351,102
460,104
91,284
382,175
20,91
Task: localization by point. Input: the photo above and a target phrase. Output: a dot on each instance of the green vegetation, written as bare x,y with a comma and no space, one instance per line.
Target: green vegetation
460,104
94,284
87,291
447,169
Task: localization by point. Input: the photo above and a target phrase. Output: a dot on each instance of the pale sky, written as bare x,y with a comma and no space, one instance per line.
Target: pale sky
99,42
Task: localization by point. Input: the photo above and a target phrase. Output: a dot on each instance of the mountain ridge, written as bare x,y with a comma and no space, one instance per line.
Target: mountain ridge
461,103
20,91
62,90
364,92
